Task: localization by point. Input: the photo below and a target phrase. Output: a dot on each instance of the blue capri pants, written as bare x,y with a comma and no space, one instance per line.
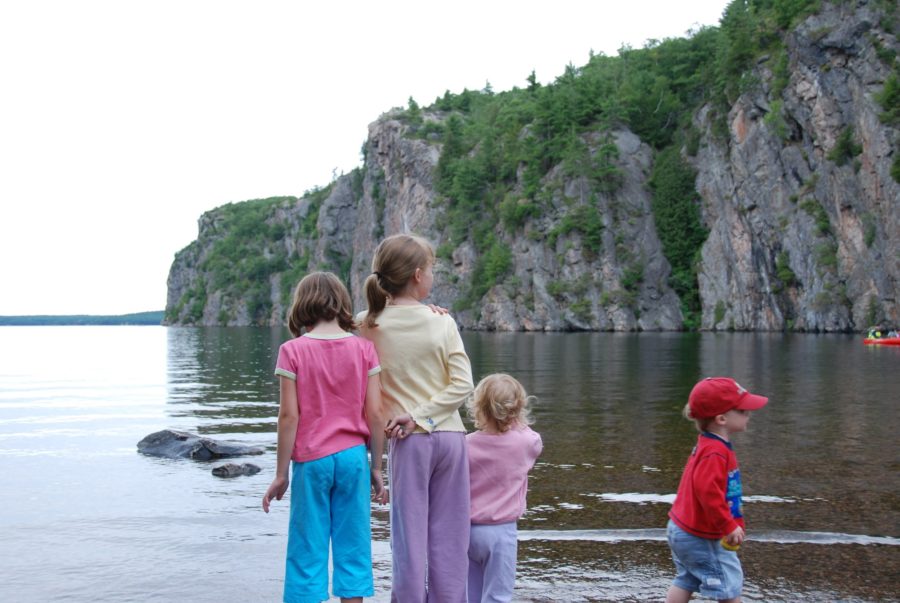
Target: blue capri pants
330,502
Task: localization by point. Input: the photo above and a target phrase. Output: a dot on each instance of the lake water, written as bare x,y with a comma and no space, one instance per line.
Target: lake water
84,517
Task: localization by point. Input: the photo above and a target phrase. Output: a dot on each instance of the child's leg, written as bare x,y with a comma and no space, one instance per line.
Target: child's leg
306,572
476,580
678,595
493,548
476,566
351,533
448,519
409,468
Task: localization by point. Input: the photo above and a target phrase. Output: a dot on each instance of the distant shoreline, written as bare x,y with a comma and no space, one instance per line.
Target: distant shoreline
138,318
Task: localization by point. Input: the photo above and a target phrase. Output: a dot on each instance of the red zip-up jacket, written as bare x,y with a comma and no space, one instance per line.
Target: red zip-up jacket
708,503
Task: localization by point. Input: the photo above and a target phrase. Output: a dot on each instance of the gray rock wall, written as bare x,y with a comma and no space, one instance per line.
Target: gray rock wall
797,240
761,188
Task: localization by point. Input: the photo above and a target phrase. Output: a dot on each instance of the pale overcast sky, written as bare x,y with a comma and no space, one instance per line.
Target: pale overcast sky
122,121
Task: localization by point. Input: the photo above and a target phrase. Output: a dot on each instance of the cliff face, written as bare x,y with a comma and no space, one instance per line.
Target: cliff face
778,196
557,286
798,198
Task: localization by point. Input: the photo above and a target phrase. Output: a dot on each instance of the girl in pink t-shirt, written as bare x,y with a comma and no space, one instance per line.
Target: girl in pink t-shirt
330,408
501,453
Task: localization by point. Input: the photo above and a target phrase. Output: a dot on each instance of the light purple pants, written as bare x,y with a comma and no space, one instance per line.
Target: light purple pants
429,479
492,562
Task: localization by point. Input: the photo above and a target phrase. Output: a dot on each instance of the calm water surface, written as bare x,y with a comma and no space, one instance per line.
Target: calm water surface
83,517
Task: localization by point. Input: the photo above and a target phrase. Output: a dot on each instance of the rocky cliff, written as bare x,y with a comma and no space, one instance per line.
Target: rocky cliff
779,195
796,194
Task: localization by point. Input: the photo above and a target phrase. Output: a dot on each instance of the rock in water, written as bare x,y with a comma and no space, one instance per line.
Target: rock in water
173,444
234,470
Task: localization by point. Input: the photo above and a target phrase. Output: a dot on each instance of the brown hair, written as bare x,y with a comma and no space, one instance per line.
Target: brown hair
499,401
393,266
320,296
700,424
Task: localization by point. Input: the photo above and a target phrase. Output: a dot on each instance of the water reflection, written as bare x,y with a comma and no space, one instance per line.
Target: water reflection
822,457
223,378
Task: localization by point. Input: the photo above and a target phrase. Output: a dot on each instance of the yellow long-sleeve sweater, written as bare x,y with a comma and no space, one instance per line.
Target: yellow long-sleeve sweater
424,367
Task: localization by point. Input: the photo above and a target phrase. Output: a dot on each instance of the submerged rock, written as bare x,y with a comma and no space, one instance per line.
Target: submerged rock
173,444
234,470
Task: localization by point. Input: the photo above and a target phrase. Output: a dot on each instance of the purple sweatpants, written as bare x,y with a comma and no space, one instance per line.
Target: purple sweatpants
429,479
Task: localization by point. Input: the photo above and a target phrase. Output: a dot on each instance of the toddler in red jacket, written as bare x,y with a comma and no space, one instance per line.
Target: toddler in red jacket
706,525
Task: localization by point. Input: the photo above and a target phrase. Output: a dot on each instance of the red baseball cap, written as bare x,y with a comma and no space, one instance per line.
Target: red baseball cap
717,395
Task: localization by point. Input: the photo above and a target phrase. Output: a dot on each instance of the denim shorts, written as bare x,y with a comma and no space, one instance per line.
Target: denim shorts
703,565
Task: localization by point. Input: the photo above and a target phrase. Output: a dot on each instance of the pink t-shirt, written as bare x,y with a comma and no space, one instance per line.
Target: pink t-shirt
498,470
331,372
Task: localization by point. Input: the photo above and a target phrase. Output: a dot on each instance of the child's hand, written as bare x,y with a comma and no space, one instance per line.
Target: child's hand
276,490
736,537
438,309
380,494
400,426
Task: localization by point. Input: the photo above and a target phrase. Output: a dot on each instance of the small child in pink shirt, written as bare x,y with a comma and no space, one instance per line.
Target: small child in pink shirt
501,453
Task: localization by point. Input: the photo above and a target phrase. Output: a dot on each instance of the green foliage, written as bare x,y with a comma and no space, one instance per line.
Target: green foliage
515,210
869,229
826,256
676,213
633,277
557,288
584,219
775,119
582,309
692,141
379,197
413,112
309,226
889,99
498,148
885,55
719,312
780,74
429,130
872,311
747,29
845,147
495,142
356,182
245,252
493,264
818,213
783,270
259,303
737,46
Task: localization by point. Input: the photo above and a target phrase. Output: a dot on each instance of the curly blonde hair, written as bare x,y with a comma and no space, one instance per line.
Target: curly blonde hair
499,402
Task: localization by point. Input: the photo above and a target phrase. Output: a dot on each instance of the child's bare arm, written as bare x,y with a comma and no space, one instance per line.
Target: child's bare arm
375,417
288,417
